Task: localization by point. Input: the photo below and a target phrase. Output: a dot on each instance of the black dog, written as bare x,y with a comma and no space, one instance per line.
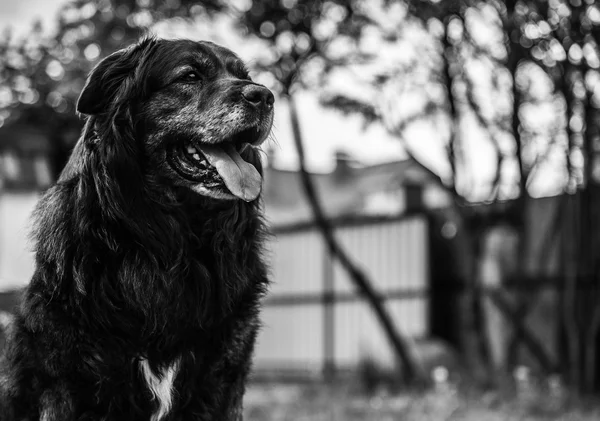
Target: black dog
144,302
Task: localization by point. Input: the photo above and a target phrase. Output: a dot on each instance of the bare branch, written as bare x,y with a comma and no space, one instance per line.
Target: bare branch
414,371
348,105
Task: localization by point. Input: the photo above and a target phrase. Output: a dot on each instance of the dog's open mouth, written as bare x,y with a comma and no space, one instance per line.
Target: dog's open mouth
216,166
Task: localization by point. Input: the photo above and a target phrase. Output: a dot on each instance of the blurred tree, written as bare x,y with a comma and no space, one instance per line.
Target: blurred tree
521,77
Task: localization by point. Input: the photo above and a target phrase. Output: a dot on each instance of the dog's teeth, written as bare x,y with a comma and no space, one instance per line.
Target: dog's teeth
196,156
192,150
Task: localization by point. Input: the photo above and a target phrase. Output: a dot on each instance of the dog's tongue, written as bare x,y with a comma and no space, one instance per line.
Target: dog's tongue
241,178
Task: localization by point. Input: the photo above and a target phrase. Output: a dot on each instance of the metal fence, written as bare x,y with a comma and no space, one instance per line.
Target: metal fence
313,319
16,258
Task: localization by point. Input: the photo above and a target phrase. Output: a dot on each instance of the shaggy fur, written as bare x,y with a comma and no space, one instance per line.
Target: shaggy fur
145,297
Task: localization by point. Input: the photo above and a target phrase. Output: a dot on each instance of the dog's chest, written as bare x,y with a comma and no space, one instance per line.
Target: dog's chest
161,385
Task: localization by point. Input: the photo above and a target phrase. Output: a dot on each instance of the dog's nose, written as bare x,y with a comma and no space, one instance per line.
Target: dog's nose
258,95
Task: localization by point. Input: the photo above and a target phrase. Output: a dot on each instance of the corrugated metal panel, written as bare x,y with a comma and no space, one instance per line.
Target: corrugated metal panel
296,264
16,259
359,335
392,253
291,337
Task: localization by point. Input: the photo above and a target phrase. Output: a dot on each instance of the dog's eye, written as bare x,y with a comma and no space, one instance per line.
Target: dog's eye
191,77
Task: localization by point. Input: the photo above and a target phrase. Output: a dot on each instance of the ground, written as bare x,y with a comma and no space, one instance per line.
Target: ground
342,401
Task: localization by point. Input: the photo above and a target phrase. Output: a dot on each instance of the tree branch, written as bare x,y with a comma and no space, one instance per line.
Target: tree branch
413,370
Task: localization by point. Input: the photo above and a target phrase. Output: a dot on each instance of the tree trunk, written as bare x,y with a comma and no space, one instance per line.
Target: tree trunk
413,370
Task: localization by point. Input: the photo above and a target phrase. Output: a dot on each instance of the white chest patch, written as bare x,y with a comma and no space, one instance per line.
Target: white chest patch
161,386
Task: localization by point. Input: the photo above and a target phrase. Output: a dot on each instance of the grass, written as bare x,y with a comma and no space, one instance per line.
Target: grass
344,401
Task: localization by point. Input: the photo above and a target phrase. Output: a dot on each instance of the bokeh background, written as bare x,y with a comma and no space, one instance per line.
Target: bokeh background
431,184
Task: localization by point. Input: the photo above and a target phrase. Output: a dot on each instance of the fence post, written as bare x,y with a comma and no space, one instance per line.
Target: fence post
329,366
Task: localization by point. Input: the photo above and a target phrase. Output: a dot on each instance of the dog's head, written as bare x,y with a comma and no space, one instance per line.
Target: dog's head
194,115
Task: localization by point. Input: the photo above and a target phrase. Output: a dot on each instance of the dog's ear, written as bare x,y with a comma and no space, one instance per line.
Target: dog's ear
111,79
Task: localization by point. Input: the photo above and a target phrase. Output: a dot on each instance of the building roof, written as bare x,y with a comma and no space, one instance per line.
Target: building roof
344,191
